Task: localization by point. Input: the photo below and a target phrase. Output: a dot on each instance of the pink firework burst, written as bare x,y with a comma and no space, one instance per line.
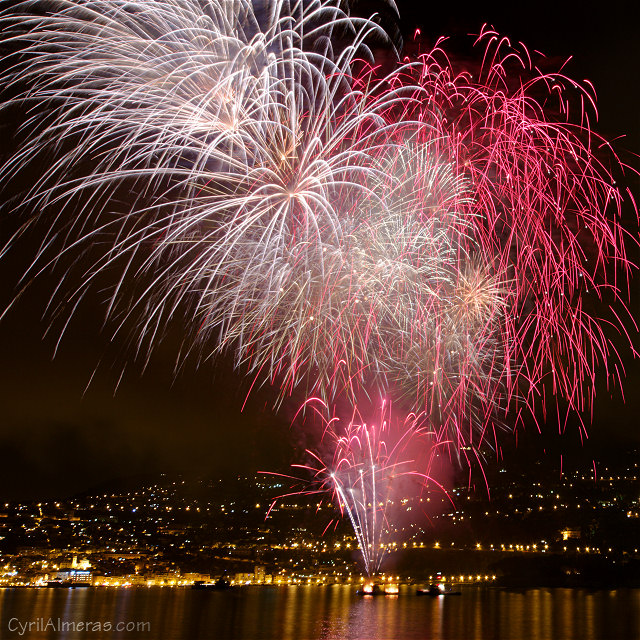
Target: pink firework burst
545,212
372,470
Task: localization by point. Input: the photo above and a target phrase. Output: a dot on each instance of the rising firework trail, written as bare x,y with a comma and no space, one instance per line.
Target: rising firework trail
371,470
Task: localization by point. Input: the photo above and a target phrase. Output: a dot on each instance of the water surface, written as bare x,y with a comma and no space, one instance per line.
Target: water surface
320,613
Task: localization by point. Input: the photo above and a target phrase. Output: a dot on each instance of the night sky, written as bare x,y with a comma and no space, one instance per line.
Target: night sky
55,438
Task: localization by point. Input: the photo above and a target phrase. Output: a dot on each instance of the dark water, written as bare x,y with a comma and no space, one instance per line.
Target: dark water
306,613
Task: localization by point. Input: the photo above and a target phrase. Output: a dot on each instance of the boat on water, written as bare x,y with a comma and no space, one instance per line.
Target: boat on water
378,589
437,589
66,584
218,585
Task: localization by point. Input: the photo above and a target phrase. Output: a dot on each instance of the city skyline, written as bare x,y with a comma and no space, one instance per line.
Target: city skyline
568,529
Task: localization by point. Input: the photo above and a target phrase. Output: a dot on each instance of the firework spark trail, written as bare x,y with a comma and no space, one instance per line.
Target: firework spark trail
202,107
370,470
547,210
235,131
384,288
292,214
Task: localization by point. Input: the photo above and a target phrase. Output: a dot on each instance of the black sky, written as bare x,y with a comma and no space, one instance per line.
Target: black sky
56,439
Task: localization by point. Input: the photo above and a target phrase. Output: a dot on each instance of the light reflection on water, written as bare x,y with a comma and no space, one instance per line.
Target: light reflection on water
330,613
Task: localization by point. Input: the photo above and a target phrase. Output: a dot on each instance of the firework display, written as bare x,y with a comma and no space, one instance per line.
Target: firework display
369,469
544,206
442,238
